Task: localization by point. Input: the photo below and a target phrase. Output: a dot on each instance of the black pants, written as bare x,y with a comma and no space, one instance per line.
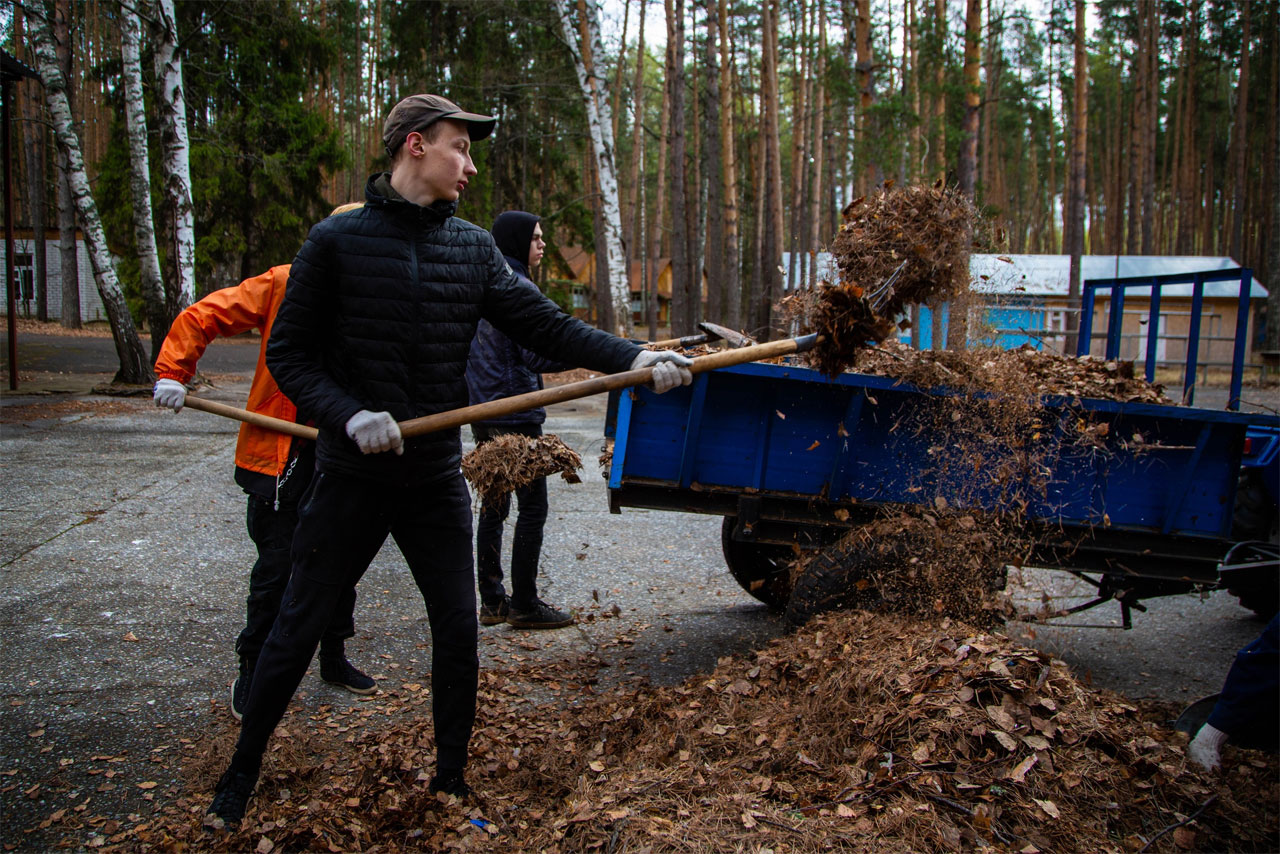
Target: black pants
342,523
272,532
526,546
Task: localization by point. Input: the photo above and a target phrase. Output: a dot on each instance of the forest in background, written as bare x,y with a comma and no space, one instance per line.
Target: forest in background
739,139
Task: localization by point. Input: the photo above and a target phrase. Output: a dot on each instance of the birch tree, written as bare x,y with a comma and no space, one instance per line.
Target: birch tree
134,367
68,255
175,158
600,126
140,179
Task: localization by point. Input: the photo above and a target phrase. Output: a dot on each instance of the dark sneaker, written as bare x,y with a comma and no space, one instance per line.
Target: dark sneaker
492,615
338,671
240,689
540,616
230,800
451,783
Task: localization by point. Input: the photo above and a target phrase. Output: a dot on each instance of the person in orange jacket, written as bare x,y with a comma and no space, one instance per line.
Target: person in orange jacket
273,468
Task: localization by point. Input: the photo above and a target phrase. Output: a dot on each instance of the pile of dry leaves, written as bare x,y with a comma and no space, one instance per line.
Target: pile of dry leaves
862,732
1025,370
506,463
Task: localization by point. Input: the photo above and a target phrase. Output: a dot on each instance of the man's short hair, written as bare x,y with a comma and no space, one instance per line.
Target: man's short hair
422,113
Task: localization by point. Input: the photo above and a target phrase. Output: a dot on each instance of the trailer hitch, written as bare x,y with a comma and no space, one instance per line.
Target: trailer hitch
1107,592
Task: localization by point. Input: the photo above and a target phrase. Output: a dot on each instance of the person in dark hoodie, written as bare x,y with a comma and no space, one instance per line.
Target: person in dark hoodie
377,319
499,367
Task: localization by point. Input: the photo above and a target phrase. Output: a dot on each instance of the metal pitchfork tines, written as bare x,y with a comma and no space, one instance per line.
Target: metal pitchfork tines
885,292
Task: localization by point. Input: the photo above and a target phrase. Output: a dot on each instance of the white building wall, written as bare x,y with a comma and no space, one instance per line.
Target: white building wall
90,303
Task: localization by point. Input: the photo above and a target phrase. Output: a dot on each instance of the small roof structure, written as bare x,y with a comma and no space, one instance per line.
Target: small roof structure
1049,275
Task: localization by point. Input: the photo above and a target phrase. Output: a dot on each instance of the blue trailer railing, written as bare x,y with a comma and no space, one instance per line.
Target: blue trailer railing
1115,322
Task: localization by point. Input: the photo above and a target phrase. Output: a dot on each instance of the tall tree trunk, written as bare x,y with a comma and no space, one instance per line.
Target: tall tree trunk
939,143
600,126
728,164
1151,118
1138,131
817,147
1273,275
968,166
658,223
1077,189
175,159
771,281
140,179
874,173
681,274
1238,141
37,192
635,237
799,144
134,367
68,255
712,154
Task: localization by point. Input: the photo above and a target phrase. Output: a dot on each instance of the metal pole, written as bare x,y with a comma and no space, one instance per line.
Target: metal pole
8,237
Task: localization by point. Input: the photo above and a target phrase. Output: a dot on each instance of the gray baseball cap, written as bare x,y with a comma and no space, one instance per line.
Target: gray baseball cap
418,112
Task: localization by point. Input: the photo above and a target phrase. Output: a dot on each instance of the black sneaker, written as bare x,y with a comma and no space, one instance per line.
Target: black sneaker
451,783
336,670
230,800
540,616
240,689
492,615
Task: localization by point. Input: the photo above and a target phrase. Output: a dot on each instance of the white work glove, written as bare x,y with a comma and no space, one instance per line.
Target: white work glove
375,432
669,369
1205,748
170,394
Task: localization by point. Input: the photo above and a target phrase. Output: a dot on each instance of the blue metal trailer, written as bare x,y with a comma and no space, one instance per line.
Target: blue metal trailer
793,459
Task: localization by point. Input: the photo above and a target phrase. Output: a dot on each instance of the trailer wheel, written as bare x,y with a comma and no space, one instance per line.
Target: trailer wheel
1255,518
762,569
837,578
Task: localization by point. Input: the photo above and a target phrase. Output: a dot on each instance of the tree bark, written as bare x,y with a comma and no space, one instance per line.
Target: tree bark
771,251
728,165
635,244
968,166
69,259
818,149
680,271
657,224
712,152
175,159
1238,140
940,97
1078,151
140,179
134,367
600,126
874,173
33,143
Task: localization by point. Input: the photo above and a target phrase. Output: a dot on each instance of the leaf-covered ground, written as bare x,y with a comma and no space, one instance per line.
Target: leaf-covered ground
864,732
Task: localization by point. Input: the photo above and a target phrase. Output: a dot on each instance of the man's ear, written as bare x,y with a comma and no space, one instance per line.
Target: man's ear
415,144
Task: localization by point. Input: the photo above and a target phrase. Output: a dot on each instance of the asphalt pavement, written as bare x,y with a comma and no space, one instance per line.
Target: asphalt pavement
125,563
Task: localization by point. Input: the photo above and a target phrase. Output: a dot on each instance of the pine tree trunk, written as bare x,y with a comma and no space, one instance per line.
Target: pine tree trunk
729,167
874,173
1137,138
37,192
1077,180
680,267
175,158
968,166
771,281
658,224
712,152
134,367
1151,115
69,257
917,168
600,127
635,238
819,150
140,179
1238,138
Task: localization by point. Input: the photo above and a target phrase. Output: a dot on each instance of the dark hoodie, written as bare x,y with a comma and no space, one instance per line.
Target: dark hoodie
497,366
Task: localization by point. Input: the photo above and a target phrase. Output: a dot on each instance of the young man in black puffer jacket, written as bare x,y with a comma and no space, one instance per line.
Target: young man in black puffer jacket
499,367
378,316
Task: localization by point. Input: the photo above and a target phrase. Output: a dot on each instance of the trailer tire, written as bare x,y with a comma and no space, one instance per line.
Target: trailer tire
836,579
1255,518
762,569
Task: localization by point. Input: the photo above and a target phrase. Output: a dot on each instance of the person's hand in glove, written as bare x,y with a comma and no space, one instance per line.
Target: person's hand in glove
170,394
375,432
670,369
1205,749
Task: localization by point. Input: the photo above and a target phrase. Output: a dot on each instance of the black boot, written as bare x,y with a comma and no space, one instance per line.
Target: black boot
240,687
336,670
231,799
451,783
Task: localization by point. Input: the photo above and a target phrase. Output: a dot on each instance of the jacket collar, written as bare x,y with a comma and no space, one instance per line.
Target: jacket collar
519,266
379,193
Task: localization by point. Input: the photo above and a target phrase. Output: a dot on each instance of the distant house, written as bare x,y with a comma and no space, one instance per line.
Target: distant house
24,247
582,277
